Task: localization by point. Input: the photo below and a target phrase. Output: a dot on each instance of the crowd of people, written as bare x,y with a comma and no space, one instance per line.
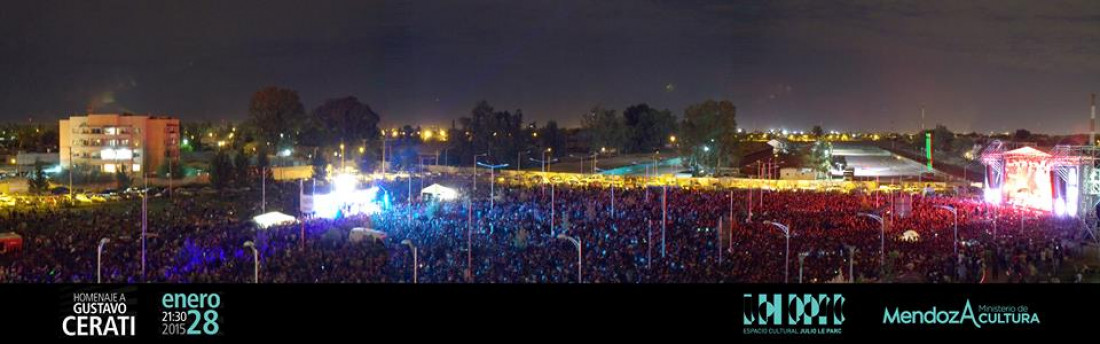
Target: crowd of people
708,236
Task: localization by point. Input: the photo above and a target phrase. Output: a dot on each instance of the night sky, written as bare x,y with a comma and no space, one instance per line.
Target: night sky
983,65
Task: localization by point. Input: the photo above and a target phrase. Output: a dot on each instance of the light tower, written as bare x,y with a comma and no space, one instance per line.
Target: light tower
1092,122
922,117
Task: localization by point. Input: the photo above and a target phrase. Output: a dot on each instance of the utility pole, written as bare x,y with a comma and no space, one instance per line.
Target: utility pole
71,169
1092,122
922,118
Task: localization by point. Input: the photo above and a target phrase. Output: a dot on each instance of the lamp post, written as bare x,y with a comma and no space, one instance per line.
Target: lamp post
649,243
263,188
144,228
546,159
664,217
955,213
169,174
255,261
384,154
730,248
469,237
718,245
416,266
580,262
99,260
787,256
851,263
475,169
612,199
882,238
553,208
71,143
492,181
801,258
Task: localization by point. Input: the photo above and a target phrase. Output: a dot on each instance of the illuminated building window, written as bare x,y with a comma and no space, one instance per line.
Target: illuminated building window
109,168
136,168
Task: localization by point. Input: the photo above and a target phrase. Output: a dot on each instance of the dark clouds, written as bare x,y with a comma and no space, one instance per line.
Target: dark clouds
994,65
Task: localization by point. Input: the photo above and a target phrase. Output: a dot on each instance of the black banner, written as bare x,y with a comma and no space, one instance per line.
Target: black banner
822,312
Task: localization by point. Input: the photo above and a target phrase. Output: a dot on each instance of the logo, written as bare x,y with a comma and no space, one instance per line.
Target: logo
100,314
793,314
986,315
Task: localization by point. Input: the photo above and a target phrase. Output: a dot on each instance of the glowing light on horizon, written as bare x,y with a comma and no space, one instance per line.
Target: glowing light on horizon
346,200
1072,192
992,196
1059,207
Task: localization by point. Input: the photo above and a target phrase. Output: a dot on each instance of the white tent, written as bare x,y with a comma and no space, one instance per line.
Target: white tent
910,236
359,233
272,219
440,192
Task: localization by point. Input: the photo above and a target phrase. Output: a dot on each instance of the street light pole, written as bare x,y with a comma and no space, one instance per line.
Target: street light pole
649,243
955,213
416,267
255,261
851,263
144,228
731,223
546,158
612,199
492,181
718,245
71,143
580,258
170,174
664,217
99,260
469,237
801,258
786,256
553,208
263,192
882,238
475,169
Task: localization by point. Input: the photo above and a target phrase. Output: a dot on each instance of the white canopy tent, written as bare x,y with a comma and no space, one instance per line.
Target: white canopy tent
910,236
440,192
357,234
273,219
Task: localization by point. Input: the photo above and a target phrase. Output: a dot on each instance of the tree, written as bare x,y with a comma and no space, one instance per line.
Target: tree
221,170
486,131
604,128
240,169
263,162
550,136
36,138
817,132
319,164
39,183
942,139
820,158
177,170
194,131
708,135
647,128
343,120
122,179
1022,135
276,113
365,163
